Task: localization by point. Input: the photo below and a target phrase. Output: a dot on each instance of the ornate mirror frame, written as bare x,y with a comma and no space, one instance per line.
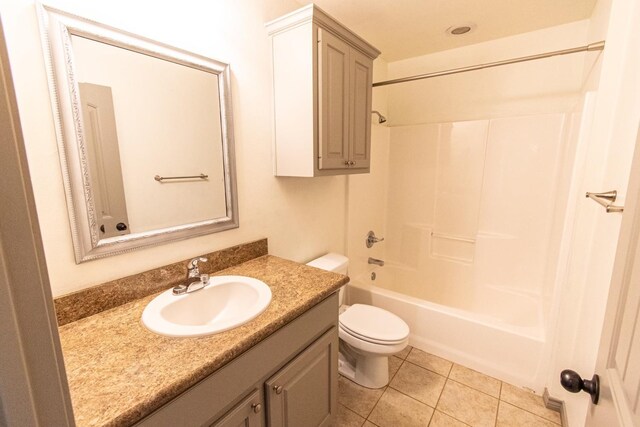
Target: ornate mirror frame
57,27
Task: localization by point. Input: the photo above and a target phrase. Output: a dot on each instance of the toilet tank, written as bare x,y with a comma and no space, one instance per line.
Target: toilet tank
333,262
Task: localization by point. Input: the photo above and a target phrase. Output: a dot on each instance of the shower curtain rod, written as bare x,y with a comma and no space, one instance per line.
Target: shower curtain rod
588,48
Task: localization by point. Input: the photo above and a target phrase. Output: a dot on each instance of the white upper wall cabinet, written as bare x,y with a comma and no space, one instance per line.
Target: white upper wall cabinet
322,76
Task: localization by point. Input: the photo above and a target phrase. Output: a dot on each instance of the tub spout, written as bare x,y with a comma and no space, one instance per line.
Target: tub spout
376,261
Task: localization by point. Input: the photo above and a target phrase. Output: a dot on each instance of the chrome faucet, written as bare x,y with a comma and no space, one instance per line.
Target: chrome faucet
193,272
376,261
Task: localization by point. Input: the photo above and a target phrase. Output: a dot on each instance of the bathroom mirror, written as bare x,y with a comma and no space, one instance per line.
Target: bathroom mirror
145,136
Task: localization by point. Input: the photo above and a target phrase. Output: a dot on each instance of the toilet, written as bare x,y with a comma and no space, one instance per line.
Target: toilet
368,334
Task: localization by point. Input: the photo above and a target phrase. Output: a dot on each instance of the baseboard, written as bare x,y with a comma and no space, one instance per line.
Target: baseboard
555,405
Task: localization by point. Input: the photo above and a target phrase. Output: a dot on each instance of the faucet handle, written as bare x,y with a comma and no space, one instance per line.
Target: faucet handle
371,239
193,264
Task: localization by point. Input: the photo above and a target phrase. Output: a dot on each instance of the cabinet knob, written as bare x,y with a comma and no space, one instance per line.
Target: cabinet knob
277,389
352,163
347,163
256,407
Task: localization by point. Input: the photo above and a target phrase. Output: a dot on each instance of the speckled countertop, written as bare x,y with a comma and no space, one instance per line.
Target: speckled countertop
119,372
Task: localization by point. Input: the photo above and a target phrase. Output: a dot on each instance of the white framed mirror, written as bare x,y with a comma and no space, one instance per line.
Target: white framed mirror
145,137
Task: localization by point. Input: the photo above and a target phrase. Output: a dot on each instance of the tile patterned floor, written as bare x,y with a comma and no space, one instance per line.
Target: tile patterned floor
426,390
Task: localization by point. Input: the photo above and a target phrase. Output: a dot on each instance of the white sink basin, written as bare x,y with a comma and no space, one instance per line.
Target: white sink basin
227,302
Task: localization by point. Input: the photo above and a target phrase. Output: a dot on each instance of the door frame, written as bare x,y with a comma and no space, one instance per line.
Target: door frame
33,382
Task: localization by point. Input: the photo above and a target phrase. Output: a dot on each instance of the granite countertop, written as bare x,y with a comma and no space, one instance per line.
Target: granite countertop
119,372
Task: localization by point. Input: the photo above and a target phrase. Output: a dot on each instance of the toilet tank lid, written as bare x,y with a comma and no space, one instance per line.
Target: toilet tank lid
331,262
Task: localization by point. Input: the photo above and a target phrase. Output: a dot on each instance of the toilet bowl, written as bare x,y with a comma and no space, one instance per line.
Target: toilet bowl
368,335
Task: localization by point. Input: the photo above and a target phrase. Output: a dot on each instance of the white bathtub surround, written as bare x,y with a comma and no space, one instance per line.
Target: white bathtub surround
479,211
474,219
482,342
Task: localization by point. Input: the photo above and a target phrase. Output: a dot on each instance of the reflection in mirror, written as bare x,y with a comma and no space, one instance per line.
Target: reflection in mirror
167,118
145,136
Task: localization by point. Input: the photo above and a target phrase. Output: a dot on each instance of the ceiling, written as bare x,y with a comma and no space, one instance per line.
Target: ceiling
407,28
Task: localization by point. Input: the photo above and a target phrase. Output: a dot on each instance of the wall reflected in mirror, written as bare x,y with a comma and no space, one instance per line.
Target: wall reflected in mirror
145,136
144,116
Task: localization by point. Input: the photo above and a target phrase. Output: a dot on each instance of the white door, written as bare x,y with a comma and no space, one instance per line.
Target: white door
104,159
618,364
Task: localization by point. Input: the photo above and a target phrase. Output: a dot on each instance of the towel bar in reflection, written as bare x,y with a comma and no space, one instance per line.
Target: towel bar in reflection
606,199
163,178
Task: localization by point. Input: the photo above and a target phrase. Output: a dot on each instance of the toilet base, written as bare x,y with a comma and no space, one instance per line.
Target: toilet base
368,371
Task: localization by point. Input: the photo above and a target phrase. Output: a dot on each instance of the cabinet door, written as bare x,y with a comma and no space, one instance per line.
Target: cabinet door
248,413
304,392
360,82
333,97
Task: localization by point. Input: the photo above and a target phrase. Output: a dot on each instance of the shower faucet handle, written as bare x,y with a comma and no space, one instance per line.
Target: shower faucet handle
371,239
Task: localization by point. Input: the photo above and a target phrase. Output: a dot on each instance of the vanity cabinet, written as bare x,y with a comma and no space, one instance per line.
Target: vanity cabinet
322,88
247,413
289,378
292,393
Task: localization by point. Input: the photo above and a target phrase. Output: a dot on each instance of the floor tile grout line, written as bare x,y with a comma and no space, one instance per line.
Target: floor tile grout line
495,421
377,401
445,384
432,370
525,409
529,411
450,368
532,413
423,403
439,396
473,388
447,378
385,389
426,369
411,397
464,385
352,411
374,405
408,352
394,374
442,412
499,402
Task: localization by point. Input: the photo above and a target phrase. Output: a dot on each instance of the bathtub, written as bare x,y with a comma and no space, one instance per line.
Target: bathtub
505,340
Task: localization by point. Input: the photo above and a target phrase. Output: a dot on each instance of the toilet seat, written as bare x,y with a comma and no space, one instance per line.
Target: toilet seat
374,325
369,339
371,348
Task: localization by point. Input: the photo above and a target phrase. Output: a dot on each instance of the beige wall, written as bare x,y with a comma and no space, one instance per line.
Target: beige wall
302,218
